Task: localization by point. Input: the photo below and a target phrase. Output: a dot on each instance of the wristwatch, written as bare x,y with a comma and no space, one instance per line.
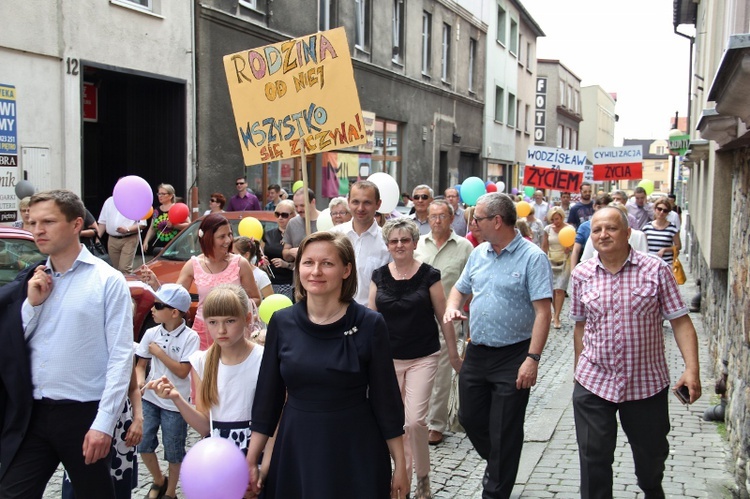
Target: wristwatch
534,356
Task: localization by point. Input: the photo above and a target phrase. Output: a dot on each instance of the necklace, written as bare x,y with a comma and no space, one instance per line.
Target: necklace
402,275
326,320
208,265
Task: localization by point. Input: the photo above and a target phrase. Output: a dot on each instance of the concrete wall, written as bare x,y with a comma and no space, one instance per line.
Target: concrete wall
43,42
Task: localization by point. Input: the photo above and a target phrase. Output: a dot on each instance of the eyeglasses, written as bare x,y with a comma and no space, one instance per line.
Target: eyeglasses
479,219
240,183
214,200
161,306
281,214
338,213
162,194
423,197
435,218
403,240
659,208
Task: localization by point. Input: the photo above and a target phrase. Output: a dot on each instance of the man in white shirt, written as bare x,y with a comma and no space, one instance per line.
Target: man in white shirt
78,328
123,236
365,234
540,207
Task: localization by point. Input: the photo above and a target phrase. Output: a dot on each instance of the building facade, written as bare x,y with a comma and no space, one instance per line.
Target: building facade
419,71
598,126
719,204
101,89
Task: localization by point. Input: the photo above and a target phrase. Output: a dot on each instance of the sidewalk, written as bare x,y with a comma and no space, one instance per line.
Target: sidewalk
697,467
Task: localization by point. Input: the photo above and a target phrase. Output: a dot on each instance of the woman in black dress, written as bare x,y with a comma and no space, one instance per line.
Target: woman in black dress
282,271
327,365
410,296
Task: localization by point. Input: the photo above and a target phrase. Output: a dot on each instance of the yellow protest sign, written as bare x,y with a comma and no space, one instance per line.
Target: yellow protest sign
298,90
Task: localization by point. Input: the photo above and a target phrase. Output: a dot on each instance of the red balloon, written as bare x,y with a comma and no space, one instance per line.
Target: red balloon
178,213
491,187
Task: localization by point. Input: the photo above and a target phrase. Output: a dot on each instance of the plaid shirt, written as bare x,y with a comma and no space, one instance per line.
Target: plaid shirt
623,344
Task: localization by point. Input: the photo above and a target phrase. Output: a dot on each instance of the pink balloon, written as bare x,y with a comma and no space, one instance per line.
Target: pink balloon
491,187
132,196
214,468
178,213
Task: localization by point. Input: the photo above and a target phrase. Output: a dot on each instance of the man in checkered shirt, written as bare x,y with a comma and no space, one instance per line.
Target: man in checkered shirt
619,300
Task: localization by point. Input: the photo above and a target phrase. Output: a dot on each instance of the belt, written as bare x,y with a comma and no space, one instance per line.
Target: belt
122,237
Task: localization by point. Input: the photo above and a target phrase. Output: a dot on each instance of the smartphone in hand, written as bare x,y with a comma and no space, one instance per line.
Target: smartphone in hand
683,394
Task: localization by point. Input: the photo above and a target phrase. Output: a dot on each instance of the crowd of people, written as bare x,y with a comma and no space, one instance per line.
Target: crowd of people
346,390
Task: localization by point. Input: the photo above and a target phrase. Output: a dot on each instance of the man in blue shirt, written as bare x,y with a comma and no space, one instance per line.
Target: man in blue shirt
584,209
510,280
78,331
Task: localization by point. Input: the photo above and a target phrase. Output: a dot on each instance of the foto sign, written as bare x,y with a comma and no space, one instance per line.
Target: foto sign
540,110
618,163
295,96
556,169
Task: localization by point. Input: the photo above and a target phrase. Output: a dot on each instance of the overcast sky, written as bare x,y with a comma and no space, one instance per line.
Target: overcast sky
626,47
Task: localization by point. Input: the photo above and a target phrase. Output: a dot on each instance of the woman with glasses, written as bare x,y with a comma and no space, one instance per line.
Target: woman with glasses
661,234
216,203
409,295
339,209
161,229
282,279
559,259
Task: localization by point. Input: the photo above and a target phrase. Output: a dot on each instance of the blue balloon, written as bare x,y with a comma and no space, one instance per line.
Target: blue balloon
471,189
458,188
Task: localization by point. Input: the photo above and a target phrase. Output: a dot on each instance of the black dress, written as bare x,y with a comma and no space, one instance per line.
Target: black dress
343,404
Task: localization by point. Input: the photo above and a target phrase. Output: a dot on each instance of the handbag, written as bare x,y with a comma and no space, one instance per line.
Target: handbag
96,248
677,270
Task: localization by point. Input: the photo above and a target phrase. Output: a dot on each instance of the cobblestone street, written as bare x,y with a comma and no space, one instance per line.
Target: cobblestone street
698,466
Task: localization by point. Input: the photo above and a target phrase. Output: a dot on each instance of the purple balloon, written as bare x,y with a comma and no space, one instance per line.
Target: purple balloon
514,191
214,468
133,197
526,198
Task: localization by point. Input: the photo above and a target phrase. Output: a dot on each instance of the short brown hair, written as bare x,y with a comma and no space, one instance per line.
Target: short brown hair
344,250
206,232
219,197
67,201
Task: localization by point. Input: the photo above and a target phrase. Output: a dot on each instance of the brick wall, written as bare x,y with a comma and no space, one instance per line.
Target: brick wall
726,314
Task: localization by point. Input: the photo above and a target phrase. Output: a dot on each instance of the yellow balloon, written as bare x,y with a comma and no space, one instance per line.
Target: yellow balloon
523,208
567,236
251,227
271,304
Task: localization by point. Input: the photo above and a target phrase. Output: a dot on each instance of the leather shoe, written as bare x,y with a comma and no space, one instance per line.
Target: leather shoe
434,437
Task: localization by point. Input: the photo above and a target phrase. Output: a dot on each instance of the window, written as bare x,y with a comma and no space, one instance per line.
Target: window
142,4
512,110
576,102
560,136
472,62
570,97
426,42
527,118
501,29
250,4
499,104
562,93
386,154
446,53
566,139
398,31
362,28
325,14
573,139
513,42
528,56
660,150
659,166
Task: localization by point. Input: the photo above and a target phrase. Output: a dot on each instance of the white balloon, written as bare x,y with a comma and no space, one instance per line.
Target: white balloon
389,191
325,221
500,186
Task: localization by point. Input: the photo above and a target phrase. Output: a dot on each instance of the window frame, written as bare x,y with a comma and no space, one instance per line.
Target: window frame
512,110
499,104
472,62
513,40
502,29
250,4
361,24
445,55
398,25
326,9
426,42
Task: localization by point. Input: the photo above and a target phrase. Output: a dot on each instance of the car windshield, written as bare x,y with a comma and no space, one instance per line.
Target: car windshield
186,244
16,255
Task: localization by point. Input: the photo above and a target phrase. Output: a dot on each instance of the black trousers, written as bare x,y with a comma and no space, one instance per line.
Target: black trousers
646,424
55,435
492,410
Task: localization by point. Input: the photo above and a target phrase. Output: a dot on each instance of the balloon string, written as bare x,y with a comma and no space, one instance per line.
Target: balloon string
140,240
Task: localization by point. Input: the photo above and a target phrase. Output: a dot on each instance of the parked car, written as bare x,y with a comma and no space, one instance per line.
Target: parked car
169,262
17,251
